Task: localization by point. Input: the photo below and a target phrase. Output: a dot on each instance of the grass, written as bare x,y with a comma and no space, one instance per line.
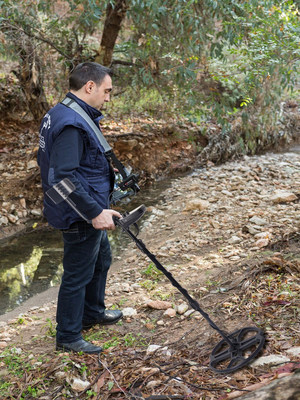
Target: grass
152,272
116,339
149,285
17,363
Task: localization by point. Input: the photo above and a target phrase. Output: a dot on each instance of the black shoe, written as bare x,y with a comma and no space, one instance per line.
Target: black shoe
79,345
109,317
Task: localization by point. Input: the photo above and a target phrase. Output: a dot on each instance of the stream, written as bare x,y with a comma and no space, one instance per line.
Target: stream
31,263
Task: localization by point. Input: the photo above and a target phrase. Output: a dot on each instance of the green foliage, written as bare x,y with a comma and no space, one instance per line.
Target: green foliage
209,60
138,100
15,361
149,285
64,28
50,328
152,272
5,388
115,339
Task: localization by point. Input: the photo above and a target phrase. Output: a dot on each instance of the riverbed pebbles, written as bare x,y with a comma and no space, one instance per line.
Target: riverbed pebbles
232,205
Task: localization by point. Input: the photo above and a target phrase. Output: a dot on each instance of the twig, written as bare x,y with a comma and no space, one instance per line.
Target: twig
114,379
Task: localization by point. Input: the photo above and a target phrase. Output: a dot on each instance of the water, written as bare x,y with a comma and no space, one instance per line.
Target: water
32,262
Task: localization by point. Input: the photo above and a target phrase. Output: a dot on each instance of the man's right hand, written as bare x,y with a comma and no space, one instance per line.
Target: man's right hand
105,221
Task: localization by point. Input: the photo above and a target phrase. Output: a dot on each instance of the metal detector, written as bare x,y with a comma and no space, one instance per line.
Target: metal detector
61,192
236,349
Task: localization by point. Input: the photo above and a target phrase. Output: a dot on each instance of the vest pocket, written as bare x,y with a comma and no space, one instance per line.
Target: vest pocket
100,163
99,189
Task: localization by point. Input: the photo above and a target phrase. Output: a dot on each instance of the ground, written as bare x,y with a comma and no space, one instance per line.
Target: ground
229,234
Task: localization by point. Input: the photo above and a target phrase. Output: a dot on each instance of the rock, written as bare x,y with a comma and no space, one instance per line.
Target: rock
235,240
77,384
160,322
234,258
44,309
34,308
294,351
283,197
156,211
159,304
196,204
152,384
36,212
152,348
258,221
263,235
182,308
32,164
227,193
129,312
250,229
150,326
12,218
262,243
165,351
131,143
214,224
23,202
4,372
126,287
3,345
170,312
3,220
272,359
189,313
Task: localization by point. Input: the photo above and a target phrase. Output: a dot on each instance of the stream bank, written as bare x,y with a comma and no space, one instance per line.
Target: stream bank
155,149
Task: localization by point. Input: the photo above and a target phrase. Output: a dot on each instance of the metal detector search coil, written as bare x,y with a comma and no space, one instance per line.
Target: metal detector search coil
235,350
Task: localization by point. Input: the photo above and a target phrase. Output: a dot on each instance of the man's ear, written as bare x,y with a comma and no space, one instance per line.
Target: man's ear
89,86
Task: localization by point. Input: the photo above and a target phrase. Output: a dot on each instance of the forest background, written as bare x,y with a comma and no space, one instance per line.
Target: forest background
227,67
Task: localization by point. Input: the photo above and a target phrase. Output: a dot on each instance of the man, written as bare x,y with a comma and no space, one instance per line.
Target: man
69,148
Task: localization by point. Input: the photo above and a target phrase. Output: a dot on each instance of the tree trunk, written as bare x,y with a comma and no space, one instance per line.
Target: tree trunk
31,81
112,25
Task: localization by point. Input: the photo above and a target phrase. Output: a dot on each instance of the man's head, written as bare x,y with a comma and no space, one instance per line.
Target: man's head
92,83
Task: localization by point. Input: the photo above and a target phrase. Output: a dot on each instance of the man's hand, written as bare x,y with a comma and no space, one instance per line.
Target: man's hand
104,220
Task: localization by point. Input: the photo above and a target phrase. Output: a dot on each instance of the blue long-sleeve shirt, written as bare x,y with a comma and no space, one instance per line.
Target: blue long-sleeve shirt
66,154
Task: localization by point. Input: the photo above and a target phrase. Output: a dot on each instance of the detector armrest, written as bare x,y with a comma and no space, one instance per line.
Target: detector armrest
130,218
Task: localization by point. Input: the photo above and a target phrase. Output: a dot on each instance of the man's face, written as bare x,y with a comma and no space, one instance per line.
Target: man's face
98,95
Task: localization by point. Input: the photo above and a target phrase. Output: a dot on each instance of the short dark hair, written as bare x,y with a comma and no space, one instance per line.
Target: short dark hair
87,71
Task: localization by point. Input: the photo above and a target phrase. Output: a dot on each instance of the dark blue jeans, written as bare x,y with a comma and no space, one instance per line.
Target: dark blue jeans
87,258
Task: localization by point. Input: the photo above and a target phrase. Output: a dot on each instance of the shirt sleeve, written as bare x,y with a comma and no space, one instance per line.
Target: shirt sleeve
66,154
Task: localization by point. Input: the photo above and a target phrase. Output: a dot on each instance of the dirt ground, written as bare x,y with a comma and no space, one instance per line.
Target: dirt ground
223,236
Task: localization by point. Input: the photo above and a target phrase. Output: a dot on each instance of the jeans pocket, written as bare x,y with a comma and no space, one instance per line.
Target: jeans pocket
75,234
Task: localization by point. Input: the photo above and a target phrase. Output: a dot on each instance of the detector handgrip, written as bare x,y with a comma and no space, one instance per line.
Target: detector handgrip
130,218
